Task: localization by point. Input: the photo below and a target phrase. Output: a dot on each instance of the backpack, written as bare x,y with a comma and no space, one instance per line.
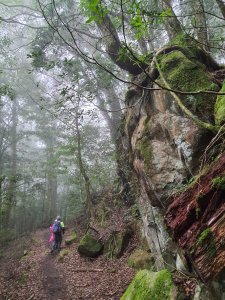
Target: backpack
56,228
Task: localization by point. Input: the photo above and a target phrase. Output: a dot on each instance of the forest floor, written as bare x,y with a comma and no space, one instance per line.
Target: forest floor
40,275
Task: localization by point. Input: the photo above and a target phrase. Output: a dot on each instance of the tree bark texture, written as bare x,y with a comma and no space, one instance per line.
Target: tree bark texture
197,220
221,5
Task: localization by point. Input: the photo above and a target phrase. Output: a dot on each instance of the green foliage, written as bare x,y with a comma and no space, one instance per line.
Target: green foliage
207,241
220,107
94,10
6,90
149,285
203,236
219,182
39,60
137,21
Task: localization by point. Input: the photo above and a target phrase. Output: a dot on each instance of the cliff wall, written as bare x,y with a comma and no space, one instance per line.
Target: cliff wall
169,148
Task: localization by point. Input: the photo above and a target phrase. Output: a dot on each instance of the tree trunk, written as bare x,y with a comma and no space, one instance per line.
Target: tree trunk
82,168
51,179
124,170
11,194
172,24
119,54
221,5
200,23
197,220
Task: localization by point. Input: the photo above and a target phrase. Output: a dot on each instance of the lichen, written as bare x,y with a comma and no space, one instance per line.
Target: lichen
185,74
150,285
220,108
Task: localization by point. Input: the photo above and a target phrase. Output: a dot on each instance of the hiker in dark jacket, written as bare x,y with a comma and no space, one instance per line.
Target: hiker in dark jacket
58,230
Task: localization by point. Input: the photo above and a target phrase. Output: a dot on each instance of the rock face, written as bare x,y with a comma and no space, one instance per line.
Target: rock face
150,285
89,246
116,244
165,148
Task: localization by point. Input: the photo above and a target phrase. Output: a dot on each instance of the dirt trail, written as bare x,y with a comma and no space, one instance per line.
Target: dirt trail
52,281
41,276
35,276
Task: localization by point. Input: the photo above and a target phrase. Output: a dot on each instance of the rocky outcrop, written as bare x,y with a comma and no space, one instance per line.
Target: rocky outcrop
165,148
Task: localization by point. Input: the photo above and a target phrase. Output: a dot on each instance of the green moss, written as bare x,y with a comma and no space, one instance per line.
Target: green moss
220,108
206,240
145,148
23,277
141,259
62,254
149,285
71,239
115,244
185,74
219,182
203,236
89,246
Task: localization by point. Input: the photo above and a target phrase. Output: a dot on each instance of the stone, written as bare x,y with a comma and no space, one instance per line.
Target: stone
89,246
140,259
116,244
71,239
148,285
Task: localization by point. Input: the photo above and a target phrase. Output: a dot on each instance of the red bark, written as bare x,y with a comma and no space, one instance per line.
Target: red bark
197,220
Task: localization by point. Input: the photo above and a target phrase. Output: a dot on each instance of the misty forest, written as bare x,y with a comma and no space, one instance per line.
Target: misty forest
112,123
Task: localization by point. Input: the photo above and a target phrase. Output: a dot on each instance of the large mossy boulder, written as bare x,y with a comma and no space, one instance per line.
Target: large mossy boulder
184,73
148,285
220,108
116,244
89,246
141,259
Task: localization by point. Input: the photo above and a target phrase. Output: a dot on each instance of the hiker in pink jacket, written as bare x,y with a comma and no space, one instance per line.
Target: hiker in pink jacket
52,237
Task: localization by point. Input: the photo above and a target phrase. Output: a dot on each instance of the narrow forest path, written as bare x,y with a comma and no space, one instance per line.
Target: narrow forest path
52,281
40,275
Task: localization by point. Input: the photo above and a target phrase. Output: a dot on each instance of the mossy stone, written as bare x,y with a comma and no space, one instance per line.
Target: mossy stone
71,239
185,74
148,285
140,259
116,243
89,246
220,108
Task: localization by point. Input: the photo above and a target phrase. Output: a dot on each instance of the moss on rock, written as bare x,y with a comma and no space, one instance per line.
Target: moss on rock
140,259
89,246
185,74
220,108
116,243
71,239
150,285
